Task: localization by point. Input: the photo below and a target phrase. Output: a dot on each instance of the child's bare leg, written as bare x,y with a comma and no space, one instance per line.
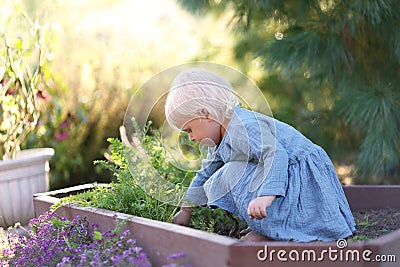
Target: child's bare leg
254,237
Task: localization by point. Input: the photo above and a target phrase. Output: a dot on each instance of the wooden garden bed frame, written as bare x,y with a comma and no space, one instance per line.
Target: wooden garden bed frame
160,239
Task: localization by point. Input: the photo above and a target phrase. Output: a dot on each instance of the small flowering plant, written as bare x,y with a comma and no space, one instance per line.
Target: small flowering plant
56,241
22,55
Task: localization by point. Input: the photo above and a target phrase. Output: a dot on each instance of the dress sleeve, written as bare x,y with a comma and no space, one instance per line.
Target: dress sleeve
276,180
195,193
271,175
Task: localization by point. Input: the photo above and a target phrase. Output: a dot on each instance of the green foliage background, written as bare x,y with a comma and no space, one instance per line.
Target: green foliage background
101,53
330,68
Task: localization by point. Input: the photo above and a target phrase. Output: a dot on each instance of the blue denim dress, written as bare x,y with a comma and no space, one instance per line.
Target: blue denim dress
261,156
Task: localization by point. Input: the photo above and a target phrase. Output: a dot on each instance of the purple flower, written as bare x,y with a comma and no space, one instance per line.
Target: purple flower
176,256
55,241
116,259
61,136
64,124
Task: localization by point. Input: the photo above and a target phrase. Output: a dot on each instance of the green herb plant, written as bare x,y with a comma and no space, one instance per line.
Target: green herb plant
128,193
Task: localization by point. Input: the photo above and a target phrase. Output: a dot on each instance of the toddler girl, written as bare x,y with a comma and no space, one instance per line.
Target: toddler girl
266,172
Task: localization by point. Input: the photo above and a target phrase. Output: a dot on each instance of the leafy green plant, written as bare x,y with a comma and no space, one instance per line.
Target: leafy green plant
217,221
126,194
366,223
358,238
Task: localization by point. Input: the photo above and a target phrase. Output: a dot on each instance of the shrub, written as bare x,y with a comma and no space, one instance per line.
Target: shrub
128,194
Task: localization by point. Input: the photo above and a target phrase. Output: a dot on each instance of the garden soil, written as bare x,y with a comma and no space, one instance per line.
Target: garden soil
374,223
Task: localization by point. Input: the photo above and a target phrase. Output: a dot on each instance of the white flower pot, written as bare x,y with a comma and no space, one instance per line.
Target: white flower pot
20,178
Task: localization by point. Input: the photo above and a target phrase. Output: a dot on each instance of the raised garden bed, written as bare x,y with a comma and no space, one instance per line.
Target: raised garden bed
160,239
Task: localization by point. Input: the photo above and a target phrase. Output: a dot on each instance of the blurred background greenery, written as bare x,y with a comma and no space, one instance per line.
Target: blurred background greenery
329,68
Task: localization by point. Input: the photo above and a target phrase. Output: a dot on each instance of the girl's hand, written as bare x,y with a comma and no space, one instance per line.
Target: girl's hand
258,207
182,217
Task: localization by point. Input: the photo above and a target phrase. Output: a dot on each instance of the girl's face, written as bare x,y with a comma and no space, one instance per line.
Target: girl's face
204,130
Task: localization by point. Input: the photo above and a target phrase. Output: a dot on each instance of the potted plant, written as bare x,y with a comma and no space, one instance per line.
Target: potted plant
22,173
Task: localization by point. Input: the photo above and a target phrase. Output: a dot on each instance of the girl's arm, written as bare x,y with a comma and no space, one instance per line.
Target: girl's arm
271,178
276,180
274,184
195,193
271,175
